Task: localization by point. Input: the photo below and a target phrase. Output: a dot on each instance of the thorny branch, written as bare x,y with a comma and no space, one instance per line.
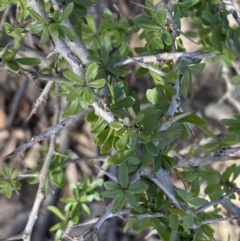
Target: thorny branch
189,57
43,176
52,130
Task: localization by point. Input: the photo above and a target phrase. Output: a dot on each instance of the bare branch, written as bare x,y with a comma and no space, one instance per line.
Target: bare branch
163,181
52,130
41,98
220,156
42,181
109,174
189,57
216,201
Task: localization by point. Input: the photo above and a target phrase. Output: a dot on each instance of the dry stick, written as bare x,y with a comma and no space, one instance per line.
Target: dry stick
52,130
75,46
216,201
42,181
231,208
186,56
220,155
85,159
16,101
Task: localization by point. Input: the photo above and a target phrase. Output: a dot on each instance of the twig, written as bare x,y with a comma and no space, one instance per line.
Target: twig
186,56
220,156
16,101
216,201
109,174
85,159
41,98
52,130
75,46
163,181
43,176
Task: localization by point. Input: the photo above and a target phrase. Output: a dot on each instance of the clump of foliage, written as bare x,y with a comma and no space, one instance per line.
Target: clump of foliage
91,66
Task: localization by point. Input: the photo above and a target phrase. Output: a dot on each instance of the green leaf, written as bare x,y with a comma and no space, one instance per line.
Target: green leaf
73,108
125,103
112,193
53,29
91,117
8,190
116,125
118,203
211,146
44,37
149,27
106,45
194,119
197,68
152,149
58,235
166,135
5,171
197,202
213,190
123,175
208,17
85,209
173,221
161,15
56,211
133,202
67,11
28,61
37,17
211,177
137,119
146,158
69,33
88,95
13,65
188,3
58,178
189,175
188,222
154,97
14,174
111,185
121,156
97,84
228,172
92,71
162,231
184,195
91,23
171,76
56,16
55,227
230,139
142,224
122,142
217,38
208,132
138,187
74,94
166,37
129,225
195,187
73,77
